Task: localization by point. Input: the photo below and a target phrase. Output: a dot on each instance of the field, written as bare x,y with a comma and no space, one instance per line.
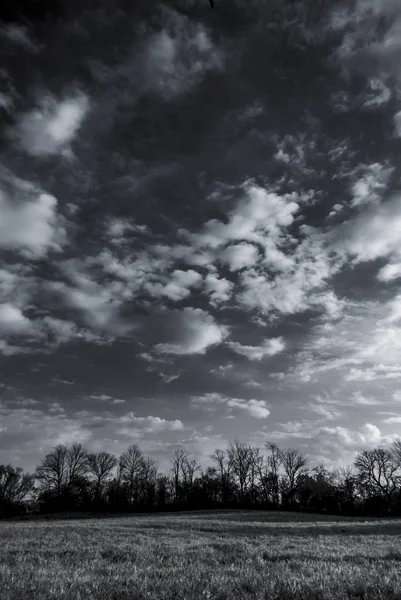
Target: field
212,555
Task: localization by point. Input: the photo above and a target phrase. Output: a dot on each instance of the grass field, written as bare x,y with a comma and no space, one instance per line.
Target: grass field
213,555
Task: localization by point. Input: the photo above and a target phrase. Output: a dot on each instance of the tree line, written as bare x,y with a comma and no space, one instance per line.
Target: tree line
72,479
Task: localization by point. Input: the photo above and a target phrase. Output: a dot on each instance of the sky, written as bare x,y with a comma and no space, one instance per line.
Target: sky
200,227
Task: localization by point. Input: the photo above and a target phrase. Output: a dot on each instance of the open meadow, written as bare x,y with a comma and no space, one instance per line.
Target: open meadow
212,555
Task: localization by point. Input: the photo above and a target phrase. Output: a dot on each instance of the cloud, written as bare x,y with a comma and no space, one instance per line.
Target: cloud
397,123
149,424
259,218
180,284
168,378
193,331
255,408
37,430
119,229
362,345
372,234
50,128
167,59
13,321
177,57
296,288
378,94
239,256
369,435
371,35
101,397
336,445
396,420
98,304
29,222
373,373
370,186
269,348
18,35
212,400
326,412
62,331
278,271
218,288
337,208
389,272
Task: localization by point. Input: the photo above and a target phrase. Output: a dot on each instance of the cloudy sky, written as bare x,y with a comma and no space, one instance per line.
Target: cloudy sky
200,227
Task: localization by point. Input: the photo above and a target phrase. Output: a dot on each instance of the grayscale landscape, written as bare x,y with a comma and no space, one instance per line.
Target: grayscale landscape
200,299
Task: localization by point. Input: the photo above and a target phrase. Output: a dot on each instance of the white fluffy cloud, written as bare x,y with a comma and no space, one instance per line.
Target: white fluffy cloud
269,347
52,126
368,435
255,408
181,283
371,184
194,331
218,288
259,217
389,272
294,289
238,256
278,272
31,224
211,401
374,233
149,424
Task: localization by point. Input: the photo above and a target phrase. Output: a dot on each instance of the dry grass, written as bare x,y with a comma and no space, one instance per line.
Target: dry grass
217,556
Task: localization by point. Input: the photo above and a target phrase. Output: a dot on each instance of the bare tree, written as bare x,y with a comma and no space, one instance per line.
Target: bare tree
149,480
131,465
77,462
294,466
396,452
52,473
189,468
256,467
100,465
274,462
224,467
179,458
345,482
15,485
241,457
378,473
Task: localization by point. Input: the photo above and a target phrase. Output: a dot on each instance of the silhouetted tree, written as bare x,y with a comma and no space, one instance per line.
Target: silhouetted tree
52,473
131,469
189,468
378,478
294,466
77,462
272,481
241,457
100,466
15,488
148,482
179,458
224,468
345,481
